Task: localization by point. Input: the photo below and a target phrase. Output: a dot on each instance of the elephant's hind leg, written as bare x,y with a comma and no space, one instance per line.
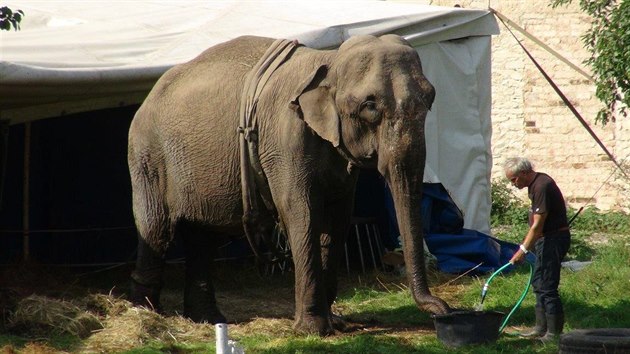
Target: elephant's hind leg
199,296
146,279
154,229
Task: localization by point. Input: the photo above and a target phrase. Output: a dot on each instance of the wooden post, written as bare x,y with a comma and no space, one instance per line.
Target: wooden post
25,192
4,147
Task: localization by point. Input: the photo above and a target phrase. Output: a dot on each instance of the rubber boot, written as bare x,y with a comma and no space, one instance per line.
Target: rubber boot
555,323
541,325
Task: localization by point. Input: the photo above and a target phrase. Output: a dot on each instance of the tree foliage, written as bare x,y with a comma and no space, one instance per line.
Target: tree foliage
10,19
608,41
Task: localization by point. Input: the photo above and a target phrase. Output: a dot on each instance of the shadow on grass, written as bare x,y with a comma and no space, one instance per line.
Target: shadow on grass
62,343
407,330
386,326
580,249
401,342
401,316
363,343
578,314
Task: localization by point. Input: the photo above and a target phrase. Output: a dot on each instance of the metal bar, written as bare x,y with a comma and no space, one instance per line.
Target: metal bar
356,228
345,247
4,147
570,106
25,193
379,245
541,44
367,232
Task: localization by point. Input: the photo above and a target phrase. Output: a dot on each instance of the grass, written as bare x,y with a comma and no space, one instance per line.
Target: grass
383,318
594,297
381,315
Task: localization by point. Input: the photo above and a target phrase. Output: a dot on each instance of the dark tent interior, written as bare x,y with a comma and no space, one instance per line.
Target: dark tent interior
79,202
79,187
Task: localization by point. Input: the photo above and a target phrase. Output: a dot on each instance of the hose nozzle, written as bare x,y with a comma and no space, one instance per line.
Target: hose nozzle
484,292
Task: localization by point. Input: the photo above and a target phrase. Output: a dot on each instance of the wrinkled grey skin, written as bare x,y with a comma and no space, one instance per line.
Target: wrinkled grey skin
363,105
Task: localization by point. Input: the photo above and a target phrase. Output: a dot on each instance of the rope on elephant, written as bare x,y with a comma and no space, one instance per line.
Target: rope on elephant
253,179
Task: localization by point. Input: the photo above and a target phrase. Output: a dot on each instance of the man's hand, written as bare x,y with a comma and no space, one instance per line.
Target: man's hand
533,234
518,257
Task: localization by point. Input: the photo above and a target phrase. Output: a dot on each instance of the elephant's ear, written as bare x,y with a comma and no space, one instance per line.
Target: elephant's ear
315,104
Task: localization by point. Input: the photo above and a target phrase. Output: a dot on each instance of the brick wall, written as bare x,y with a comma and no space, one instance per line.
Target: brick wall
530,119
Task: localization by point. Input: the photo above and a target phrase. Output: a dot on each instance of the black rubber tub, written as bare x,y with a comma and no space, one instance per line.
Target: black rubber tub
462,327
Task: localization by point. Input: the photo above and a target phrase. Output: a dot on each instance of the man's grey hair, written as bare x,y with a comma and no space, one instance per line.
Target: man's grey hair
517,165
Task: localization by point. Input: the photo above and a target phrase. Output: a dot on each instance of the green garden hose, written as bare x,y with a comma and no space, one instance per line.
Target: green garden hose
484,292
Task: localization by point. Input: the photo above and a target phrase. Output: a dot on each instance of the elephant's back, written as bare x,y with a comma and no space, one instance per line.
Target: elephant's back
191,118
217,71
243,51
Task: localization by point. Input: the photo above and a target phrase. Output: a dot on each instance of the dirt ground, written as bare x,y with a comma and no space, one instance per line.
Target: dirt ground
250,298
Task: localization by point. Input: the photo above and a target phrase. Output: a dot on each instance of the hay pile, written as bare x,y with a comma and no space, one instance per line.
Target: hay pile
39,315
106,323
273,327
137,326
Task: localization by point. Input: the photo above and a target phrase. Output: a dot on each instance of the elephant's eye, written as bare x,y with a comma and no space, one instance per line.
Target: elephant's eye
371,105
369,111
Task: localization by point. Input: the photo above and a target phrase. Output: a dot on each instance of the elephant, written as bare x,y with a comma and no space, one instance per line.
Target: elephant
319,117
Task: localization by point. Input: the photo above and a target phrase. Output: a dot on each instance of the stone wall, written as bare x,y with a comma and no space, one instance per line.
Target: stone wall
530,119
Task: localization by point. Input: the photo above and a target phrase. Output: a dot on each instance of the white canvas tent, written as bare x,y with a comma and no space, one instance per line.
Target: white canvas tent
83,56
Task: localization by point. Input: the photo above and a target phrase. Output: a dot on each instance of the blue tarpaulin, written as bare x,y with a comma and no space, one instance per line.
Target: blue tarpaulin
457,250
440,215
459,253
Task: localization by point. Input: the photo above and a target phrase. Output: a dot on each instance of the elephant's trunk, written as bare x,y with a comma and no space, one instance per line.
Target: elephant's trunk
405,181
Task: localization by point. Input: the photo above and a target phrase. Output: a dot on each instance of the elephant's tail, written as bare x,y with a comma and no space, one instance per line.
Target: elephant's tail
148,185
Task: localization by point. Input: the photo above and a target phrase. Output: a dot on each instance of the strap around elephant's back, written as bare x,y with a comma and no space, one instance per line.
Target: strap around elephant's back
253,179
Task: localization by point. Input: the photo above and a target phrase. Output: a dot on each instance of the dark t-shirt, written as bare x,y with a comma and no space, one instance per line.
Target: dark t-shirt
547,198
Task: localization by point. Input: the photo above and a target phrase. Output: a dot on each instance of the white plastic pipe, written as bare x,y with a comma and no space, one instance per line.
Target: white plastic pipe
221,334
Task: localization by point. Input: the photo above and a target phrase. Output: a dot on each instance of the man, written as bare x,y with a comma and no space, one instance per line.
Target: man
548,237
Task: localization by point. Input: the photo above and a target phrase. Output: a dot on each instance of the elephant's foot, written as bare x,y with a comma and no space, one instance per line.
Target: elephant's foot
200,304
212,316
338,323
146,296
314,325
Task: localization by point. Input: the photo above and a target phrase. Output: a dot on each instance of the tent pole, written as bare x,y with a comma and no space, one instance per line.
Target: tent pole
25,192
4,147
568,103
541,44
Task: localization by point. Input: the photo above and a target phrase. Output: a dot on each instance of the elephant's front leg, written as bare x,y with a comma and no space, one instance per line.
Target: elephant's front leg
312,311
332,247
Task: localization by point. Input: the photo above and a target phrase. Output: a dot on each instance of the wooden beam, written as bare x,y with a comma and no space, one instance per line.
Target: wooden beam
25,193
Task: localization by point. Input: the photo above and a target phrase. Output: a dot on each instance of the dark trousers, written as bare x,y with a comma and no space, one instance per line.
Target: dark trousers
550,250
